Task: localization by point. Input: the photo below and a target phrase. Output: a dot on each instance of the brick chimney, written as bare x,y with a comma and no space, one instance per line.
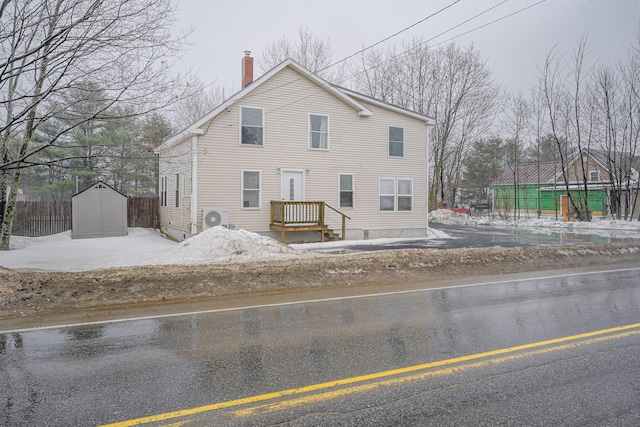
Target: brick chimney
247,69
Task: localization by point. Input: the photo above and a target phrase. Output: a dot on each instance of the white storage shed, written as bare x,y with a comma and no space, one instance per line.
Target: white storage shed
98,211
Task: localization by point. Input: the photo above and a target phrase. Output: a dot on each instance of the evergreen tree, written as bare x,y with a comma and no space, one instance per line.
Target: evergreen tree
483,165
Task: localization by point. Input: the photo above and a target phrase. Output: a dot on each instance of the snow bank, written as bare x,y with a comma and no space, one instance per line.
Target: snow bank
446,216
219,244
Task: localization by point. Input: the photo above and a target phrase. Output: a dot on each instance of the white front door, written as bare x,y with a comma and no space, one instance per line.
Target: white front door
292,189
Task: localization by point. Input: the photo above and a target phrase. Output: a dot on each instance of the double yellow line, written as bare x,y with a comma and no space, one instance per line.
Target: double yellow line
394,377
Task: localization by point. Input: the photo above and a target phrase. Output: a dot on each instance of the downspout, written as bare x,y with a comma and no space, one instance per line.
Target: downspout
427,124
194,180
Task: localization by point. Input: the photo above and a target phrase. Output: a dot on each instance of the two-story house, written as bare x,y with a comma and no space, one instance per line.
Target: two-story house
292,150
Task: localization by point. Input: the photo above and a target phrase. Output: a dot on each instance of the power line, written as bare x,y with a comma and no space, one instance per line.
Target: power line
407,51
393,35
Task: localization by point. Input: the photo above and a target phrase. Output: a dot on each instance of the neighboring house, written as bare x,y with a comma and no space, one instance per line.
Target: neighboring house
98,211
290,137
541,186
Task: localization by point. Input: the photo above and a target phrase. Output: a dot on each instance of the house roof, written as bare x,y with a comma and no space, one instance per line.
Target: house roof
623,161
528,173
551,171
349,97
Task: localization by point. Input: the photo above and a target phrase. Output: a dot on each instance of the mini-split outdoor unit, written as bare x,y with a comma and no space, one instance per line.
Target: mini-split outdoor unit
212,217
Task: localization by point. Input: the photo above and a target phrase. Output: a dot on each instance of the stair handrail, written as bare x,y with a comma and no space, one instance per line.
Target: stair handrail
344,218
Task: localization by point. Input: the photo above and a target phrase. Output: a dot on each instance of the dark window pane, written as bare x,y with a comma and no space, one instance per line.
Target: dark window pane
396,149
251,135
404,203
346,199
396,134
386,203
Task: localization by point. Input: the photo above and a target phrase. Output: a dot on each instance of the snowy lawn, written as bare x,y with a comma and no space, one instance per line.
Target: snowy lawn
219,245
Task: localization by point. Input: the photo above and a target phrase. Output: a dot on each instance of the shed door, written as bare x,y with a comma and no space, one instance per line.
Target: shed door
292,189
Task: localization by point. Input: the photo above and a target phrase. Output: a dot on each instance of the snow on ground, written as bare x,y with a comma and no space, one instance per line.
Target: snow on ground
141,246
545,224
218,245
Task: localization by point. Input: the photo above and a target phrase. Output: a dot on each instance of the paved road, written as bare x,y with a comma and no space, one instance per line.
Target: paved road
518,351
468,236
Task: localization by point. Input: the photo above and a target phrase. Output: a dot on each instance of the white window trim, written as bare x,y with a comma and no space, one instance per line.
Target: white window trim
386,194
328,132
240,127
353,191
163,191
259,189
395,195
404,144
404,195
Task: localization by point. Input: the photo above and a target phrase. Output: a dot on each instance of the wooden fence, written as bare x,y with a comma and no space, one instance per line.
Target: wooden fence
43,218
38,218
143,212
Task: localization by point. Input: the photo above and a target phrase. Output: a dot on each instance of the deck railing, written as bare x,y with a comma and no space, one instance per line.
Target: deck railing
302,216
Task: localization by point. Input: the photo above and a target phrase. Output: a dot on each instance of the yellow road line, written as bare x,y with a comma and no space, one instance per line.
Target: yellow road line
382,375
272,407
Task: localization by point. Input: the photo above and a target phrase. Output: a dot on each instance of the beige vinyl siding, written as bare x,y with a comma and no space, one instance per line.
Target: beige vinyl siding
176,160
575,175
358,145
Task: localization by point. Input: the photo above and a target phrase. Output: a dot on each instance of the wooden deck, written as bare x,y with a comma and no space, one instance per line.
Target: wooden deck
303,216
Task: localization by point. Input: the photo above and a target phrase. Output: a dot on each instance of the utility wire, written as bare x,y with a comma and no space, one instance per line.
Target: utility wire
407,51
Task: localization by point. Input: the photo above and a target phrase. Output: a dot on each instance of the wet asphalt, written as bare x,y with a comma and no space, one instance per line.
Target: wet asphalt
109,372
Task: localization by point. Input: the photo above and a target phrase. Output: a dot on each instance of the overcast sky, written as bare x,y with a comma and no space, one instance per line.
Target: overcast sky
513,47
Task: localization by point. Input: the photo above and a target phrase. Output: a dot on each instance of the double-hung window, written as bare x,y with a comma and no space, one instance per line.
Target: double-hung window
346,190
396,195
252,124
251,189
163,191
387,195
405,195
396,141
318,132
594,176
177,190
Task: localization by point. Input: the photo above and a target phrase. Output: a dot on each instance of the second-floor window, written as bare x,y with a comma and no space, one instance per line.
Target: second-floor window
594,176
318,132
252,123
396,141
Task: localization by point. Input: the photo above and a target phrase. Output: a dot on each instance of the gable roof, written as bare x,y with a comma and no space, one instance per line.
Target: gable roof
527,173
552,171
349,97
96,183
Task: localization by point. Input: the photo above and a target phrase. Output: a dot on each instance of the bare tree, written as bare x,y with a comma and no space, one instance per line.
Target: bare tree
202,100
630,109
565,90
452,85
51,46
312,53
515,123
